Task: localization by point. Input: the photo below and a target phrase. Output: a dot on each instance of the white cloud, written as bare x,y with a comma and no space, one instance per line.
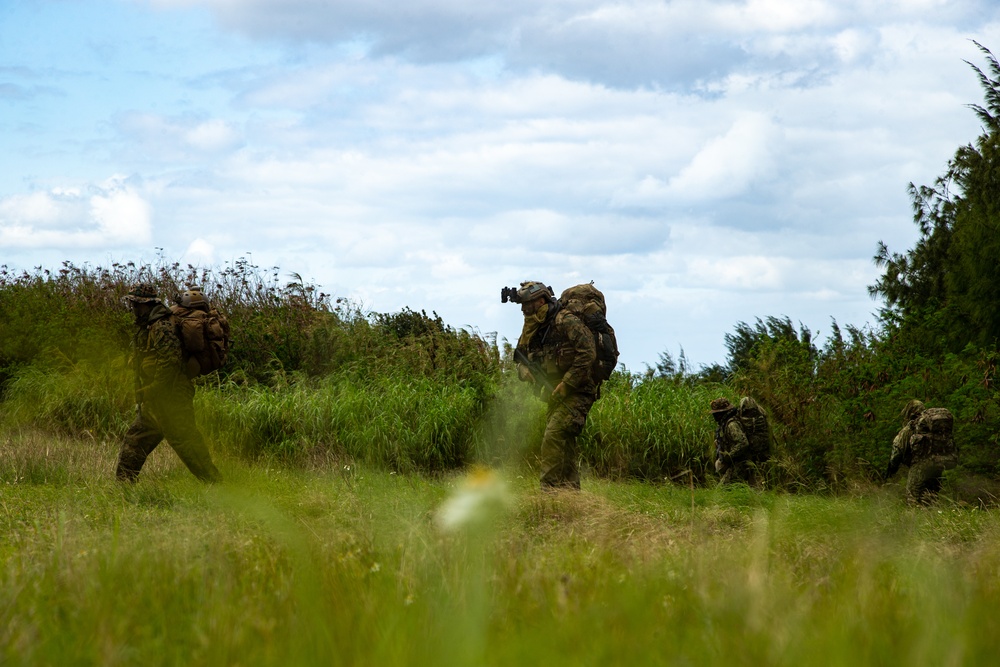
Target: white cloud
771,16
727,165
199,253
739,272
704,160
212,135
179,137
625,43
112,215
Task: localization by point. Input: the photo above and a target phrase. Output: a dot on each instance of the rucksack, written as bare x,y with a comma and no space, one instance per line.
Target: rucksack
587,303
754,423
205,337
933,433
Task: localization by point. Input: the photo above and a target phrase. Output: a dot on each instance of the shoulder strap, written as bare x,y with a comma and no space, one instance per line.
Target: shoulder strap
550,319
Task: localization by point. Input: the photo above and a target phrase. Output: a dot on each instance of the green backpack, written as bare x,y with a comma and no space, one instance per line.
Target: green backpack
932,434
754,422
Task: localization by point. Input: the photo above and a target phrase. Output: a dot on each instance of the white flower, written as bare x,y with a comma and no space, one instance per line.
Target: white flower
481,496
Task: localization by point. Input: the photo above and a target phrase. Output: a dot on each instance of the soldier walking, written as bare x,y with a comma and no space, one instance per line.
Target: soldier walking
556,351
742,440
925,444
164,394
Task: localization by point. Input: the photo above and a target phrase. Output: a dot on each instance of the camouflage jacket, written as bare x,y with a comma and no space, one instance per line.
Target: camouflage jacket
731,441
157,356
564,348
901,453
733,444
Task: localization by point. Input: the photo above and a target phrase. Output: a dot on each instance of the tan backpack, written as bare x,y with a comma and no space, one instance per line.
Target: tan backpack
204,336
587,303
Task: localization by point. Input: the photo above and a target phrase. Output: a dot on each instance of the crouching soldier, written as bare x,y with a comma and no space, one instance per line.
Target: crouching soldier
164,394
556,351
742,440
925,444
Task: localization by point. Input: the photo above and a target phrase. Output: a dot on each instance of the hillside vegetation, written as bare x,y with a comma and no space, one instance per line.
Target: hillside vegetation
313,376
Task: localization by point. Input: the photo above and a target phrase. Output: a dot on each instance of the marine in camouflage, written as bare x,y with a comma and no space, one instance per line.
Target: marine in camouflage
164,395
742,440
560,348
928,453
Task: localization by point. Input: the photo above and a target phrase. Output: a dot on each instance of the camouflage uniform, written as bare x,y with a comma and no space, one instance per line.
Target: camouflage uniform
562,348
165,402
927,456
737,452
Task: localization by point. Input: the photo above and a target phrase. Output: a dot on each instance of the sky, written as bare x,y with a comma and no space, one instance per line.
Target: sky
704,162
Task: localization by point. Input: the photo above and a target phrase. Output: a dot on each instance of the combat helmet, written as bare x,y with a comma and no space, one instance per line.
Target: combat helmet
142,293
193,297
531,290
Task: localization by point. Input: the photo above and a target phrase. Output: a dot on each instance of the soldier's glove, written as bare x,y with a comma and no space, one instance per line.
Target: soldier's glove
523,374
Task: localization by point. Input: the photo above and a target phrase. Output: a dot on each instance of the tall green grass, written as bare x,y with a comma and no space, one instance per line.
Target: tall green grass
285,566
434,422
653,429
88,399
398,424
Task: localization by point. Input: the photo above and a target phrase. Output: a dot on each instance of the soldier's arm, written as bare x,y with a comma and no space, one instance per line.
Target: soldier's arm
164,360
900,451
581,342
739,443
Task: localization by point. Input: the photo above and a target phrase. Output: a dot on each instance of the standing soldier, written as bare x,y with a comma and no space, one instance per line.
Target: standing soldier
925,444
556,351
742,439
163,392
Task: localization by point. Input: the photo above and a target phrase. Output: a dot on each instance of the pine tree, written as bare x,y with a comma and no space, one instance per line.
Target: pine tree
950,280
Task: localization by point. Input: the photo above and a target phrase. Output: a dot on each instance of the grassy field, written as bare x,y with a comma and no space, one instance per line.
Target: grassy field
328,564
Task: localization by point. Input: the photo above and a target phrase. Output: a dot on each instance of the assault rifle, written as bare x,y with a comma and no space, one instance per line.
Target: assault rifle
539,376
536,371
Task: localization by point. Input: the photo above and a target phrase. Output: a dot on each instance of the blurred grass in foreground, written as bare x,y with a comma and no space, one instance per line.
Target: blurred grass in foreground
351,565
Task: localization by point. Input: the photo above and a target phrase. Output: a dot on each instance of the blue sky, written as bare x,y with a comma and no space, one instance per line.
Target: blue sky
705,162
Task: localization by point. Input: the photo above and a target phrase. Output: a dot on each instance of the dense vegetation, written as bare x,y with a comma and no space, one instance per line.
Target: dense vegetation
312,376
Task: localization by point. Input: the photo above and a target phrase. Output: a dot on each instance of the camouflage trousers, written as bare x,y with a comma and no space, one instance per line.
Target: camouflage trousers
924,479
171,418
560,466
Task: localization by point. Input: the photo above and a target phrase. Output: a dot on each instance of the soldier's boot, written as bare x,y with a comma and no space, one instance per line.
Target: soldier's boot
140,440
130,462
